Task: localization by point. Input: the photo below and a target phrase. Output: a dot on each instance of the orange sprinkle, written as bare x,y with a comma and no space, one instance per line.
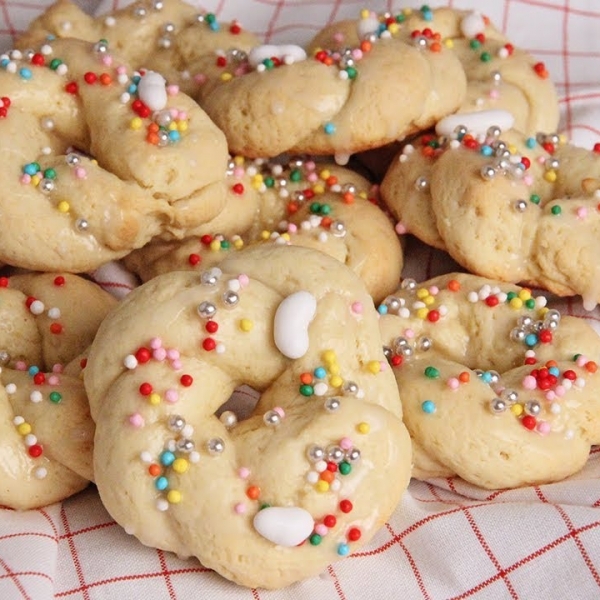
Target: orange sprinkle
328,60
348,197
428,151
326,222
591,366
154,470
551,363
454,285
366,46
327,476
292,207
435,47
153,128
105,79
464,377
306,378
331,180
152,138
253,492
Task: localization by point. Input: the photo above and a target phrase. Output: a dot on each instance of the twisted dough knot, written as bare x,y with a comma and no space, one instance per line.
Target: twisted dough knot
316,469
496,387
299,202
148,161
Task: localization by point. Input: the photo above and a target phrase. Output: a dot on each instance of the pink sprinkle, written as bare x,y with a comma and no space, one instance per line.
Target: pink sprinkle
107,60
20,365
338,37
453,383
357,54
528,180
240,508
434,290
121,70
53,380
346,443
172,354
550,395
243,472
312,177
200,78
25,179
541,159
292,228
383,365
321,529
543,427
80,173
155,343
182,115
172,89
176,364
57,368
239,172
356,308
529,382
494,94
400,228
243,279
560,390
159,354
409,333
310,165
239,71
581,360
136,420
279,411
582,212
171,396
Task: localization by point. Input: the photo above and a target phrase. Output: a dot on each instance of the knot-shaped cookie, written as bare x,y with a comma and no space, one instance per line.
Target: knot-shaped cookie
313,472
503,204
496,386
299,202
99,159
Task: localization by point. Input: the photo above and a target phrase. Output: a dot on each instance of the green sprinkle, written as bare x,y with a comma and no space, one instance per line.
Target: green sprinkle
556,209
269,182
534,198
352,72
225,244
530,303
475,44
315,208
296,175
55,63
325,209
485,57
55,397
345,468
306,390
315,539
50,174
431,372
510,296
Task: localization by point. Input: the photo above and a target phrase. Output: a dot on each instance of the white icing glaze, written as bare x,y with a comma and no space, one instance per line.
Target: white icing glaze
152,90
284,525
288,53
291,321
472,24
476,122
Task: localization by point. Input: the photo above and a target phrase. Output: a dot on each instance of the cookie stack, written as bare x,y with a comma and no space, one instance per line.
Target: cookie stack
262,194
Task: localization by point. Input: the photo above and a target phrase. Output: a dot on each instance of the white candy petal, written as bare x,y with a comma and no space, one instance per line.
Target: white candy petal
290,325
284,526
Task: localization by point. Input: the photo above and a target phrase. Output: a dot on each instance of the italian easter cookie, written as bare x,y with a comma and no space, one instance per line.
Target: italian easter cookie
99,159
299,202
496,386
316,469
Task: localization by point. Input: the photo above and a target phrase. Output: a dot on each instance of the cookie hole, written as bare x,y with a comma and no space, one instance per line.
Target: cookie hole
241,404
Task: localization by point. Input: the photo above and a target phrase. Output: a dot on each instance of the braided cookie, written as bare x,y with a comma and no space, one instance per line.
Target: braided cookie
497,387
98,160
275,99
301,202
316,469
505,205
499,76
161,35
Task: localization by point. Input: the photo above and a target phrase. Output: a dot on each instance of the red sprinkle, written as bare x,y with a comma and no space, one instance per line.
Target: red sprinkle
56,328
72,88
39,379
206,239
59,280
145,389
186,380
492,301
143,355
35,450
354,534
90,78
238,188
433,316
329,521
235,28
38,59
209,344
528,421
211,326
4,281
346,506
596,146
194,259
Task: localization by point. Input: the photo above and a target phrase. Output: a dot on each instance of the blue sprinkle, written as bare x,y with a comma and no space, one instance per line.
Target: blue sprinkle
329,128
531,339
161,483
486,150
530,142
4,63
320,372
382,309
174,135
554,371
343,549
132,89
167,458
382,27
214,26
427,14
25,73
33,370
486,377
136,79
31,169
428,407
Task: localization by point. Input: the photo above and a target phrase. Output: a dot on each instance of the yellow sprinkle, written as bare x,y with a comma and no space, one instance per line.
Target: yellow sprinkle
94,161
246,325
328,357
429,300
286,236
543,311
407,11
516,303
322,486
393,28
239,160
364,13
24,428
63,206
363,428
174,496
517,409
182,125
512,148
172,126
265,235
422,313
550,176
422,293
215,245
180,465
325,174
319,188
374,366
336,381
525,294
154,398
334,369
35,180
136,123
363,195
226,77
449,43
238,244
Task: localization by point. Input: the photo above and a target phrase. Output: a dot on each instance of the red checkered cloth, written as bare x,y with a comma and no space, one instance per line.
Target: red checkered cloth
447,539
